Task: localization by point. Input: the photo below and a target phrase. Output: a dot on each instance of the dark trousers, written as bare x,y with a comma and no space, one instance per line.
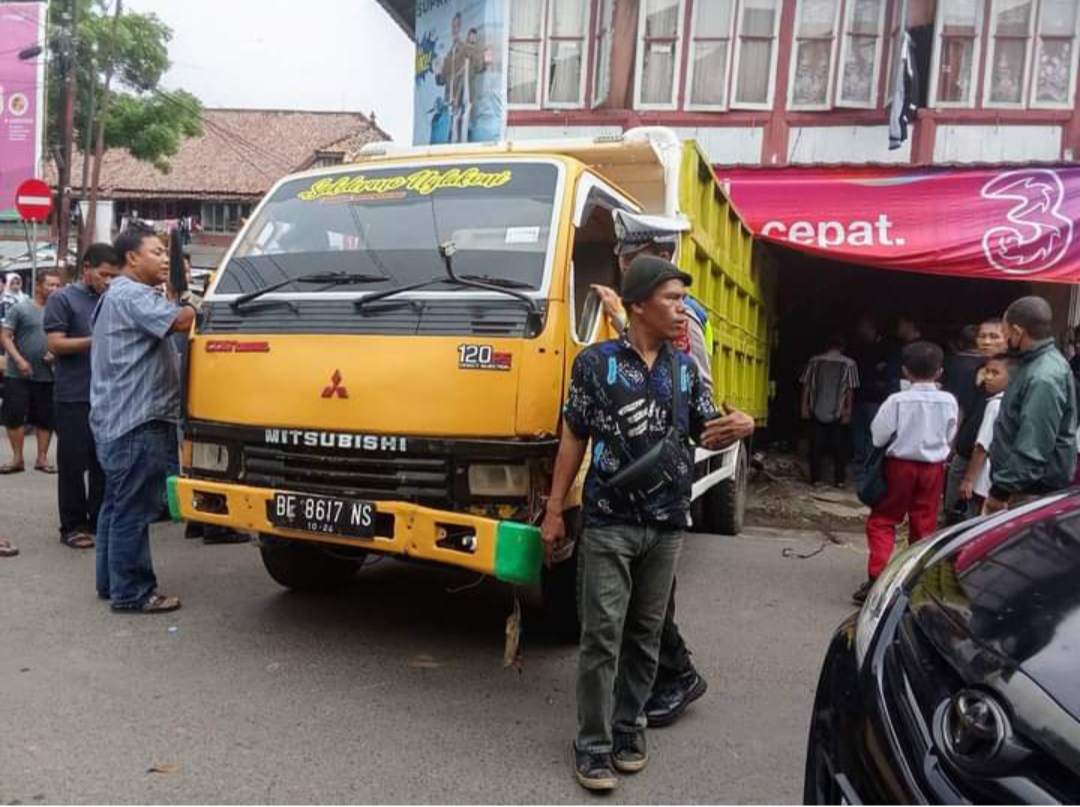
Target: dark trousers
80,480
674,655
828,440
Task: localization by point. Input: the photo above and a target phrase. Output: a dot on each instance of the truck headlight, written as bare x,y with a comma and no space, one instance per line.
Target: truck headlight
498,480
212,457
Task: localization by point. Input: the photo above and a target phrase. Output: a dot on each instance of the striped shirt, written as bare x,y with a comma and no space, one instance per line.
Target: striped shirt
135,369
829,377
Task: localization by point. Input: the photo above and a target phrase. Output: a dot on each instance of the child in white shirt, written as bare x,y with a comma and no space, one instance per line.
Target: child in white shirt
976,485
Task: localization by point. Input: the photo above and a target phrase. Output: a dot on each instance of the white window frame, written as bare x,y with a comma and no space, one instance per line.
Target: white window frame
879,55
935,63
1033,96
546,43
602,36
833,64
896,29
690,67
639,62
541,68
736,62
988,73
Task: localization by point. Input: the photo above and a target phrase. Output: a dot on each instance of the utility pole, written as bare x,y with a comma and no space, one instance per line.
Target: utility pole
99,147
63,224
88,142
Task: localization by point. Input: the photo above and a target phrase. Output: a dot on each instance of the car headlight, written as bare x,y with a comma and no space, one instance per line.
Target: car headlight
212,457
498,480
884,592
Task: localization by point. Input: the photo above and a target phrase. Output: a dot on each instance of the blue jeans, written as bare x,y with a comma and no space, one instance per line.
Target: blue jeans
625,574
135,467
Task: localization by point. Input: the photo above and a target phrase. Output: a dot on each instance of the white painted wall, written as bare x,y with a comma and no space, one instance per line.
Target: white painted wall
852,145
997,144
727,145
724,145
556,132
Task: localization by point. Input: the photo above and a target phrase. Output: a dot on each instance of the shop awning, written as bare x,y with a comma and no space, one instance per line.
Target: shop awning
1001,224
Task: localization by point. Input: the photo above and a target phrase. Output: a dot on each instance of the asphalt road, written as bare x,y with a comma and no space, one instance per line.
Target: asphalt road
390,691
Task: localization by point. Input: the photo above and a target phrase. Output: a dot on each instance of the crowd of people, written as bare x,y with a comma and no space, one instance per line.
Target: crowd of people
97,362
987,426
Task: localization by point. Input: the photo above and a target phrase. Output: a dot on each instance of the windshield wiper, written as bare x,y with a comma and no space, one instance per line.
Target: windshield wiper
324,278
501,282
501,285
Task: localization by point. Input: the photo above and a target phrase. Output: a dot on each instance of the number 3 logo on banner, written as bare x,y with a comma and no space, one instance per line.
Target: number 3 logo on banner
1038,234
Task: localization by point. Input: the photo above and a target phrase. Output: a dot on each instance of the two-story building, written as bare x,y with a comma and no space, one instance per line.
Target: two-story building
792,100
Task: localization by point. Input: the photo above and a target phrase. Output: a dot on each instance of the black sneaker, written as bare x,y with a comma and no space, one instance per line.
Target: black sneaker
861,593
670,700
631,754
594,771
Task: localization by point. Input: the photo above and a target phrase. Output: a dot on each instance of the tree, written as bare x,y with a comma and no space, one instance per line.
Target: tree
135,47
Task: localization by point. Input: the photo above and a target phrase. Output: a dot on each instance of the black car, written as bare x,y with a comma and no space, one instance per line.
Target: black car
959,680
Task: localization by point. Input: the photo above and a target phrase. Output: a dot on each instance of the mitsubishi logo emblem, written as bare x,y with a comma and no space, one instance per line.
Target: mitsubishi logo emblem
335,387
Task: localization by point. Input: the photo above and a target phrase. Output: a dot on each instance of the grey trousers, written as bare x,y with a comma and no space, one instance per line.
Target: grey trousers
625,580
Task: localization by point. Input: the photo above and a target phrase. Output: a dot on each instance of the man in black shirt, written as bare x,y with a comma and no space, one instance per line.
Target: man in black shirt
871,354
81,482
623,398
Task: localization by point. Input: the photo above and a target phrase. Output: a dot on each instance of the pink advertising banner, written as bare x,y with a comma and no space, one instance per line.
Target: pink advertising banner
22,94
1016,223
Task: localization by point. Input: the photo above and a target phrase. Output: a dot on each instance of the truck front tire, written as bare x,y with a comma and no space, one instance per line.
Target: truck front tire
301,566
724,504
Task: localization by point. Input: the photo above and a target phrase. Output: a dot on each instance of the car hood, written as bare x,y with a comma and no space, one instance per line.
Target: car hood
1011,588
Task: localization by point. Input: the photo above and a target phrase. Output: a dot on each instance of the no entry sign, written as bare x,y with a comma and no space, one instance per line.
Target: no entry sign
33,200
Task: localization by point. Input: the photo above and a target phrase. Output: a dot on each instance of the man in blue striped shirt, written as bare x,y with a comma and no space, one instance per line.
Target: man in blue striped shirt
134,406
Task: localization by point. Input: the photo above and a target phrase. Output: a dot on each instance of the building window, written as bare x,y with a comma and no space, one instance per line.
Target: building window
547,53
223,217
605,19
815,45
959,24
755,57
526,45
1055,54
861,53
1007,58
568,25
710,53
659,32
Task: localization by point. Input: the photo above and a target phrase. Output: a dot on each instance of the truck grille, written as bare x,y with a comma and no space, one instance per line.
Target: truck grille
423,480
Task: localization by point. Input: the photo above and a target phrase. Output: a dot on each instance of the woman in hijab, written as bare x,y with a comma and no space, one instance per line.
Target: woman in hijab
13,293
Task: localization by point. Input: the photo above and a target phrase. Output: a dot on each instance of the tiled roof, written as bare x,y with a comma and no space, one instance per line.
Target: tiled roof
240,154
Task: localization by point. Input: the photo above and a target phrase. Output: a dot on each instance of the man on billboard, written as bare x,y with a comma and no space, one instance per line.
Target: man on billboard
459,76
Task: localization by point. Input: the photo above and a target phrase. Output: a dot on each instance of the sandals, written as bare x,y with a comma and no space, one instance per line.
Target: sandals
157,604
45,469
7,550
6,470
78,540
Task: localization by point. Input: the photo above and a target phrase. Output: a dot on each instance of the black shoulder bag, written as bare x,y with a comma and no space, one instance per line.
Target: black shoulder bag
647,475
872,486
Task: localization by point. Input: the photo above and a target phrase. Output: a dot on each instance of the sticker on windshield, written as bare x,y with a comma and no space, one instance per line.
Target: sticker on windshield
522,235
395,186
483,357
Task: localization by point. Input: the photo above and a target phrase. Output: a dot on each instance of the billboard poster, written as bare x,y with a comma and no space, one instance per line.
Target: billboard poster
461,57
22,98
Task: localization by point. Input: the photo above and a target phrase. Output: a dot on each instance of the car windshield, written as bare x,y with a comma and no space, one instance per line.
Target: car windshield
391,221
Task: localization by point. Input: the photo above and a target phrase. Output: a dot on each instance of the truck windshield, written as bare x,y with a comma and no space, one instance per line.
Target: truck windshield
391,221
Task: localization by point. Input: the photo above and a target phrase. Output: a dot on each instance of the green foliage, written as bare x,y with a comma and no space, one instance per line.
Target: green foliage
148,121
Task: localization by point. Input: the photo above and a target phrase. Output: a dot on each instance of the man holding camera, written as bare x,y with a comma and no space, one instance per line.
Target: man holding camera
640,401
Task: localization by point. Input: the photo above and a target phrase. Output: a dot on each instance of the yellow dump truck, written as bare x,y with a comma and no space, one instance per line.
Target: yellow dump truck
381,361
